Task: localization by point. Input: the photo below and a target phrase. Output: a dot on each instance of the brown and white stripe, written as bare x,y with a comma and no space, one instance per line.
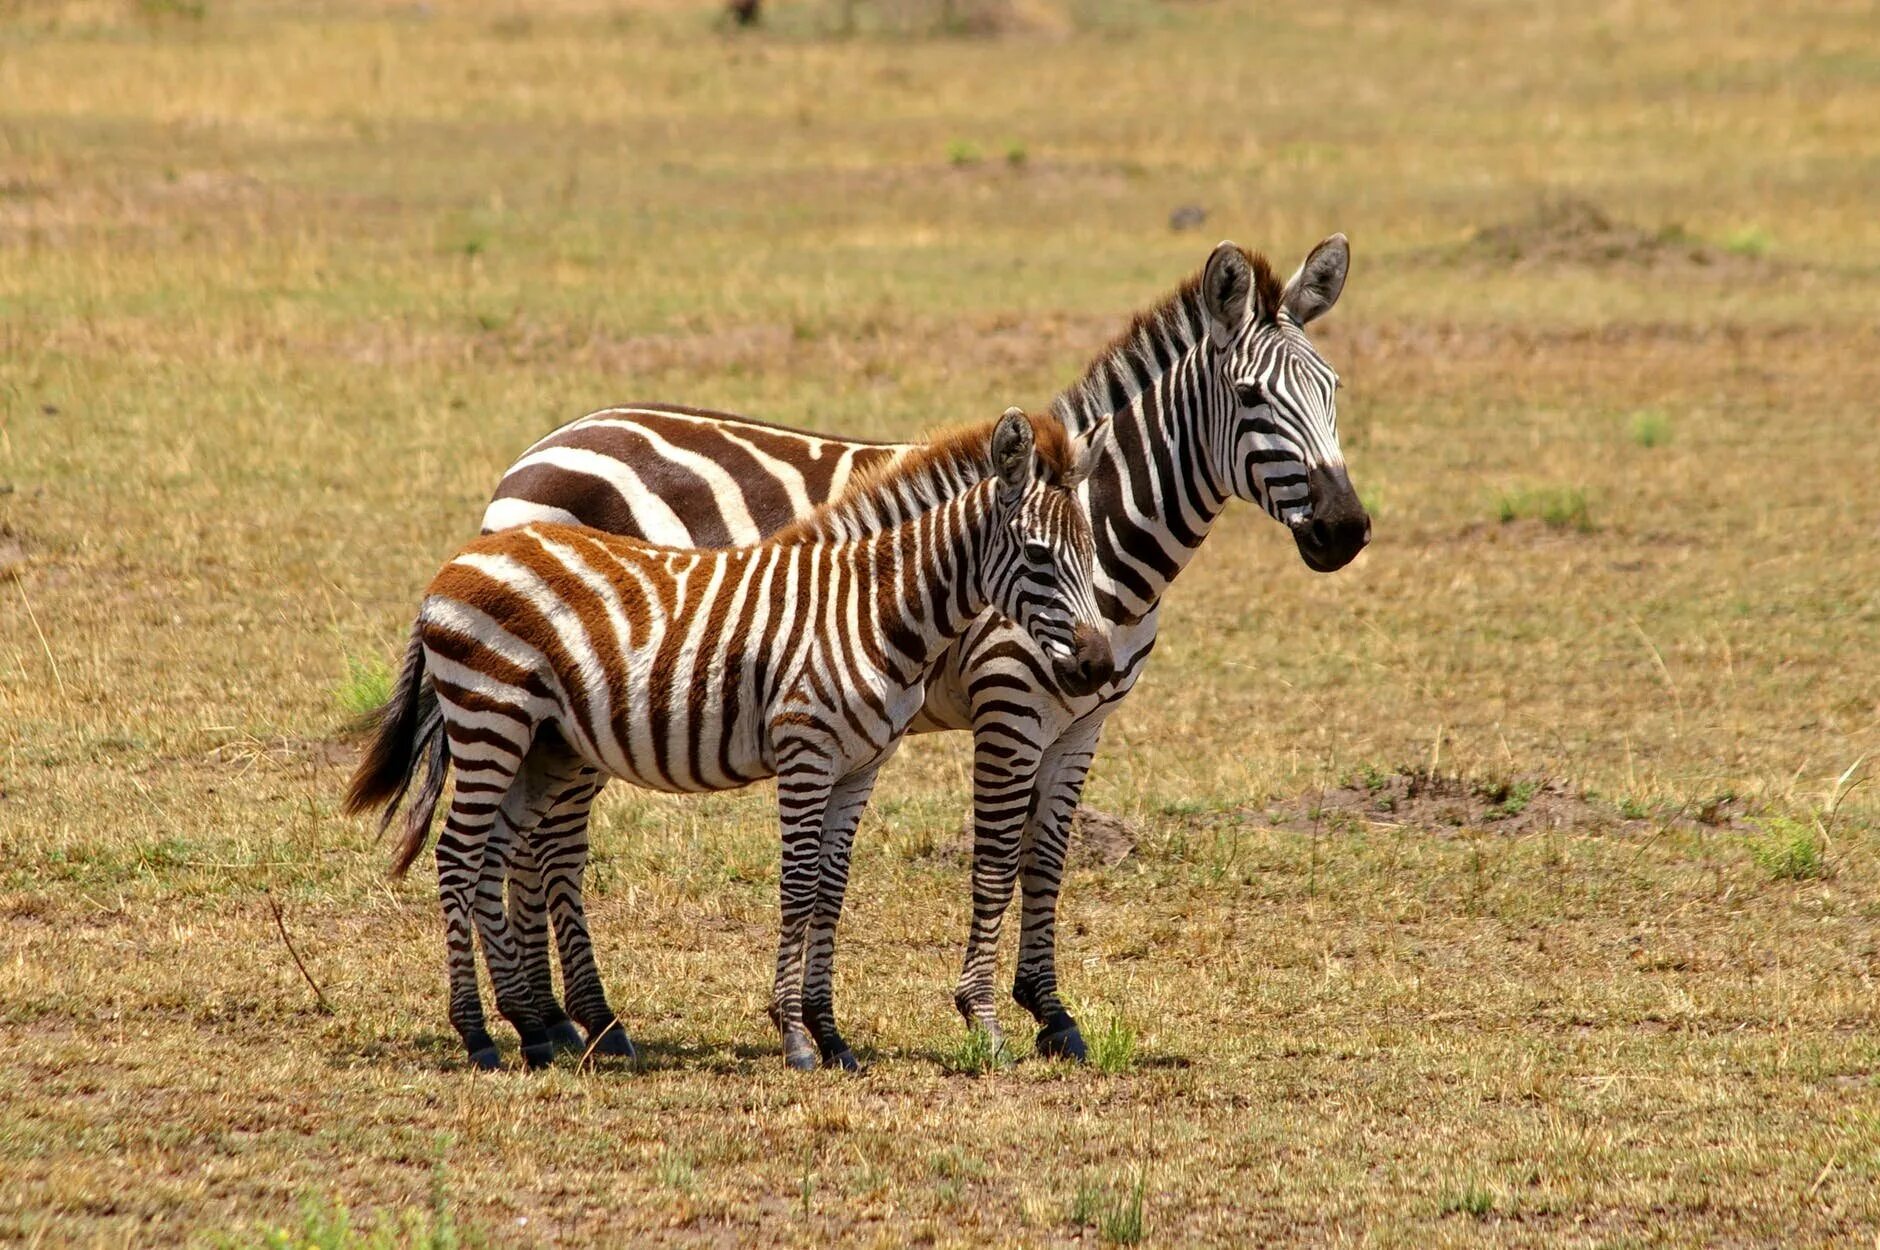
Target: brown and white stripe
557,654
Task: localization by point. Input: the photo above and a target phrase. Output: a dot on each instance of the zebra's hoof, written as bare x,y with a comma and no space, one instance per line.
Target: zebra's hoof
538,1055
613,1043
846,1061
799,1052
486,1060
564,1036
1063,1042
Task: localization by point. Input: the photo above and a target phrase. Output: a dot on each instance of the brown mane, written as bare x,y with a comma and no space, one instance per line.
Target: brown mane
929,473
1267,291
1151,341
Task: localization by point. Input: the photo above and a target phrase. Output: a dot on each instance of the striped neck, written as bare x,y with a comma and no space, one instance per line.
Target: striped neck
928,574
1157,492
1156,340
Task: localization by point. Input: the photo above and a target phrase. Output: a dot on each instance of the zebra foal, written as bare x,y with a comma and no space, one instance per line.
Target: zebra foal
553,653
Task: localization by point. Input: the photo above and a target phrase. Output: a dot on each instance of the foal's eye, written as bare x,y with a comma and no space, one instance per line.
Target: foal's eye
1251,394
1037,553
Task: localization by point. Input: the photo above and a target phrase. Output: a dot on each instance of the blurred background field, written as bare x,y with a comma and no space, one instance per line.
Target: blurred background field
1516,885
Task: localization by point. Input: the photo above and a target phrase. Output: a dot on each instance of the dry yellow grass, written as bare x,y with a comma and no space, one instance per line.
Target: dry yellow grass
283,289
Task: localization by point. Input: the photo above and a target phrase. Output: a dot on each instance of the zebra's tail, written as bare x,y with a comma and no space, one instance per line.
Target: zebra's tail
407,738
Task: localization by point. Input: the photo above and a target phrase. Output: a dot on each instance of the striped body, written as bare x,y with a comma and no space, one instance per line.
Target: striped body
671,668
1216,394
557,654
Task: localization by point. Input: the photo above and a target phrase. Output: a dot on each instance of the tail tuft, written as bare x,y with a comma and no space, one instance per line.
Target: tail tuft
407,735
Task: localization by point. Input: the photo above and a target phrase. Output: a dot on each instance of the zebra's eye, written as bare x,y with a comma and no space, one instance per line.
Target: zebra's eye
1251,394
1038,553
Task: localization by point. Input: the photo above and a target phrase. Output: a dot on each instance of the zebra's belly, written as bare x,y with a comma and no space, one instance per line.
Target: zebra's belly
680,780
681,758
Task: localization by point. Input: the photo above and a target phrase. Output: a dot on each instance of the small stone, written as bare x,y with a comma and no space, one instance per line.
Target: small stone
1187,217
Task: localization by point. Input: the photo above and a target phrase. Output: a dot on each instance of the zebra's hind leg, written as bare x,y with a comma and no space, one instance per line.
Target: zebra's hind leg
537,783
528,919
561,849
840,815
486,770
502,953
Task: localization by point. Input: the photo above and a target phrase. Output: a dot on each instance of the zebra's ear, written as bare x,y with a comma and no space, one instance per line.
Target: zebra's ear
1227,291
1088,450
1315,288
1012,444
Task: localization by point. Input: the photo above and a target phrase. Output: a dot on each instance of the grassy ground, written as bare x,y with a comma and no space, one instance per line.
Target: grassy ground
283,289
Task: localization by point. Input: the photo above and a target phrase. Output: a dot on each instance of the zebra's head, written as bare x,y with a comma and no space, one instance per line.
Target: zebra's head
1277,444
1039,565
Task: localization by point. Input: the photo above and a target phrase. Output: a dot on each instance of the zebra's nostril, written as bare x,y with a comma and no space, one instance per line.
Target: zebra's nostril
1321,533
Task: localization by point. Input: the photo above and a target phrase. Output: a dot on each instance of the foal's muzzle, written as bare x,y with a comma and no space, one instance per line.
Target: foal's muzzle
1087,667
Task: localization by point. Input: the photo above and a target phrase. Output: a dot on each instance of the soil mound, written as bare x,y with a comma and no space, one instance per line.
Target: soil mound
1098,840
1446,803
1574,231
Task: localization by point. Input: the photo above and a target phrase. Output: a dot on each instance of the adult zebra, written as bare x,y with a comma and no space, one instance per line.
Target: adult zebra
553,651
1217,394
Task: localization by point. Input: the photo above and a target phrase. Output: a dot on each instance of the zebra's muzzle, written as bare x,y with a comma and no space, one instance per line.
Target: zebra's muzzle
1335,528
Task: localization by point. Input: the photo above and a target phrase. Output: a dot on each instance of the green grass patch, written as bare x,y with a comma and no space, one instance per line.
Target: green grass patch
1789,849
326,1225
1113,1047
1649,427
676,1172
1509,798
366,686
1473,1200
963,152
1119,1218
1557,507
1749,241
972,1053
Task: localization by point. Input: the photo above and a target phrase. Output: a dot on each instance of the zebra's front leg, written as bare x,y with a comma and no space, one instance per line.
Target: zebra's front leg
841,814
1046,841
1005,766
802,796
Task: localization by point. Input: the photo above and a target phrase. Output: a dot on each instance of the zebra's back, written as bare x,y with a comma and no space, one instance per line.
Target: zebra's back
627,648
677,476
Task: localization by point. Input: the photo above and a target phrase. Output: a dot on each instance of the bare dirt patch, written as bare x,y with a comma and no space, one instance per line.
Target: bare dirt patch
1442,803
13,554
1098,840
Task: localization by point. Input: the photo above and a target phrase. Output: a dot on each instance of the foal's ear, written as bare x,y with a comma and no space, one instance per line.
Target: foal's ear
1315,288
1012,444
1088,450
1227,291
